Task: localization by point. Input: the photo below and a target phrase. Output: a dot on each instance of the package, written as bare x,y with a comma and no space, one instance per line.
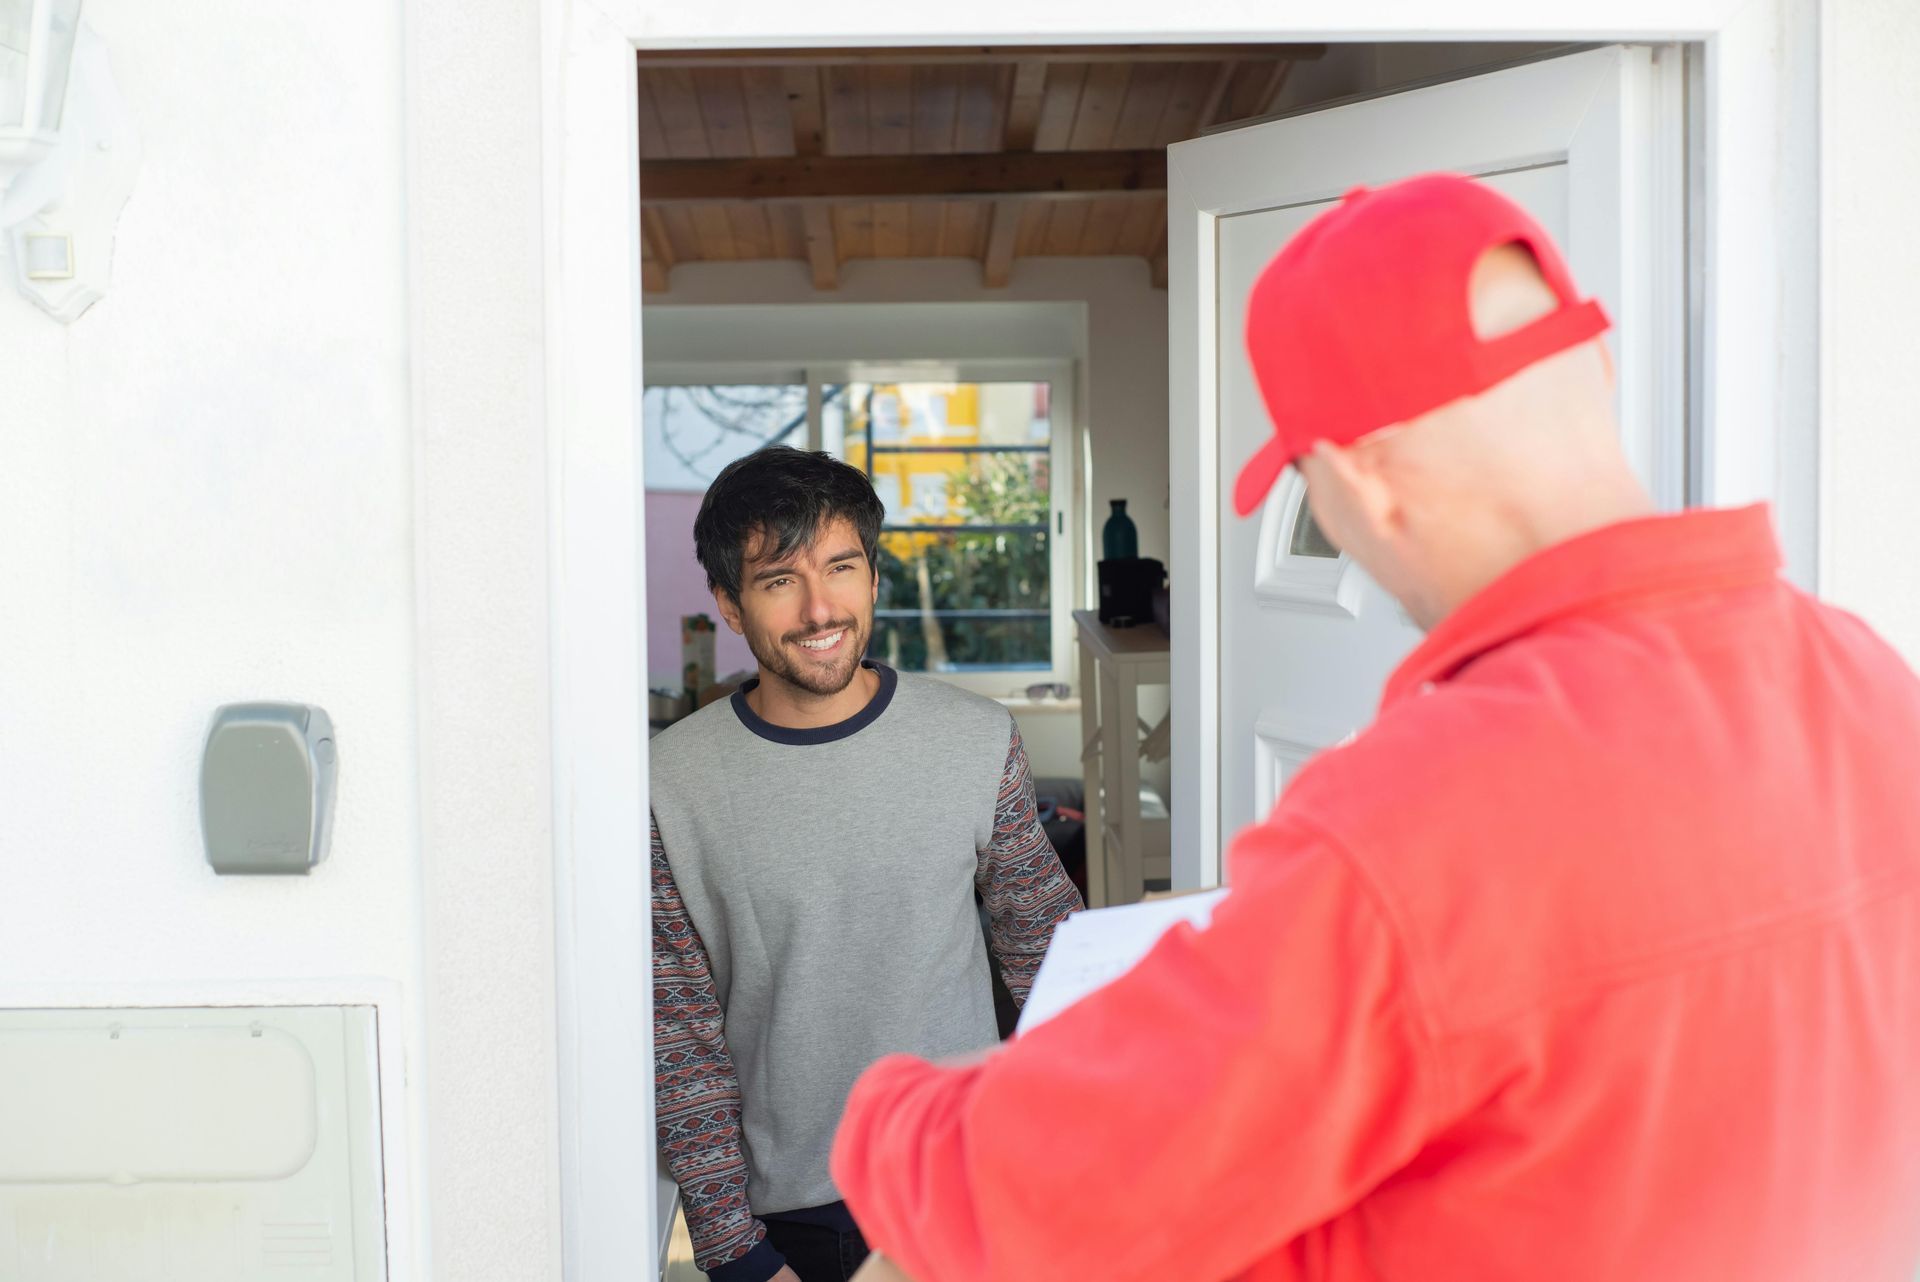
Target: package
696,653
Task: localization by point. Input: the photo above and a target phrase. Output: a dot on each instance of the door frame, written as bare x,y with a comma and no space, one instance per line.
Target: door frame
1757,103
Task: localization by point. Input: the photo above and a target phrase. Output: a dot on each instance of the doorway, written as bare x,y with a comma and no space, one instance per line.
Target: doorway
989,191
599,213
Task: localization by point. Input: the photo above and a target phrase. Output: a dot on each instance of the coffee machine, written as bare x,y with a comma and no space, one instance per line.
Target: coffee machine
1127,589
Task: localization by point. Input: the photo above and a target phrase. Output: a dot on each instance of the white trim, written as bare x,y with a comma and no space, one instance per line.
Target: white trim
840,23
704,373
794,332
1280,749
1761,211
1637,128
598,652
1193,522
1826,462
1761,357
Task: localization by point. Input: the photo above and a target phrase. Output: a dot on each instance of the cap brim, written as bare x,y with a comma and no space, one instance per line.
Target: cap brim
1256,479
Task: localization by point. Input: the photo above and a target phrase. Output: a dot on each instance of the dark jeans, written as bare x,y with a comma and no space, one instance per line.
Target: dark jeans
817,1253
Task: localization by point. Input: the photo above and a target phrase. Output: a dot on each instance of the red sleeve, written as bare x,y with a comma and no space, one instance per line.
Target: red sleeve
1239,1087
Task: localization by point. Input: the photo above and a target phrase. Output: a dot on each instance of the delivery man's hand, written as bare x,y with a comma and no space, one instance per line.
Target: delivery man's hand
880,1269
786,1274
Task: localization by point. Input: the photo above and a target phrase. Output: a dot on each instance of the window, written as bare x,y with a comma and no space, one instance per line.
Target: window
1308,538
692,430
966,554
973,463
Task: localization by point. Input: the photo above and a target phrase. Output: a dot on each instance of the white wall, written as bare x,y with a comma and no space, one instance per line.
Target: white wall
299,452
206,497
1124,397
1871,328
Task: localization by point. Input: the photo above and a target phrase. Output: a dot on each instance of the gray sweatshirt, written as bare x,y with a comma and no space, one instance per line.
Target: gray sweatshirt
813,900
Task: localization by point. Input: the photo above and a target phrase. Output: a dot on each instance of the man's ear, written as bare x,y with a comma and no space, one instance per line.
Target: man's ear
729,609
1364,489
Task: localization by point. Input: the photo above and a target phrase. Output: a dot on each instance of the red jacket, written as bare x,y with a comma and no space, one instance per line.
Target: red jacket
1596,956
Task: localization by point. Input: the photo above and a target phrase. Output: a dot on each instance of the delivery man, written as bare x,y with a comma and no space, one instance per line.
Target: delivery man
1597,955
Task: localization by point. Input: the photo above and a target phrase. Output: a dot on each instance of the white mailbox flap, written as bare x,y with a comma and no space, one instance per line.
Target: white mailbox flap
129,1105
191,1144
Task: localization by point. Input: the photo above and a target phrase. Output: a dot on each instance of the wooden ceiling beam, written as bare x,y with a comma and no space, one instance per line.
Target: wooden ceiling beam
997,268
1214,108
938,55
803,100
658,242
950,177
1157,260
1023,104
822,254
1245,92
1276,86
656,262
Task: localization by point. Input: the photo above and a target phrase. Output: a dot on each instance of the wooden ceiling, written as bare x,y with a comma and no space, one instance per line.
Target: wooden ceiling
993,154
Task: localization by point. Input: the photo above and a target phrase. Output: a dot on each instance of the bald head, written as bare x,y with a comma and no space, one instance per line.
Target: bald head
1506,291
1439,506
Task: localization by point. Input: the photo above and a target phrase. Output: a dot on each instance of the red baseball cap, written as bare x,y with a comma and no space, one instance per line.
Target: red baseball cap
1361,321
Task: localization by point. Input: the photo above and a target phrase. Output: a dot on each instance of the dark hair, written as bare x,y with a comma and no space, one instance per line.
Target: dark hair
787,495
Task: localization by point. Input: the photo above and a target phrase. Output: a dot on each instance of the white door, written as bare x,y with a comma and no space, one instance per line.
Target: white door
1290,643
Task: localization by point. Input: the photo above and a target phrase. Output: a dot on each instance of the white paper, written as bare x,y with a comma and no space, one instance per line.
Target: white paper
1096,946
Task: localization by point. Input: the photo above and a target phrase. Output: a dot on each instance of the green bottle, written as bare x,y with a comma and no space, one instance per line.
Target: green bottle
1119,541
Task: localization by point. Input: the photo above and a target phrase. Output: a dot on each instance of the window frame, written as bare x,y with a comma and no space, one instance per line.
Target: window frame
1066,547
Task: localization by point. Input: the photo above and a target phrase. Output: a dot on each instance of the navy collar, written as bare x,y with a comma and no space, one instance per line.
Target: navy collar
801,735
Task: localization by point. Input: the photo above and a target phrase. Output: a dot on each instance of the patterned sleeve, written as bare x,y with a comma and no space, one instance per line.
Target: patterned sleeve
696,1095
1026,891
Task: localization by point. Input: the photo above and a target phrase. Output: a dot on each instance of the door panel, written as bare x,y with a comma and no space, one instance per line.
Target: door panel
1289,643
1306,638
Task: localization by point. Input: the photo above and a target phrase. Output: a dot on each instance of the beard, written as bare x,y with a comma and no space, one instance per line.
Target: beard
824,679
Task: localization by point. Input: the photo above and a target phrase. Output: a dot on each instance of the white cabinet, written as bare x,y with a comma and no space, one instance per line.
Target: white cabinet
1125,845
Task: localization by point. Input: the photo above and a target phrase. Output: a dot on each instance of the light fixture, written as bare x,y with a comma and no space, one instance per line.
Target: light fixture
68,154
36,53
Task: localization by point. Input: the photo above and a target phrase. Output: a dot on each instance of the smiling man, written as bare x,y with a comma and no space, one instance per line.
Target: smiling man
818,840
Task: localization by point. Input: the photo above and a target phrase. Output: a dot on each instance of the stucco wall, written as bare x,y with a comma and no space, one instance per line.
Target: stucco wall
1870,171
207,496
